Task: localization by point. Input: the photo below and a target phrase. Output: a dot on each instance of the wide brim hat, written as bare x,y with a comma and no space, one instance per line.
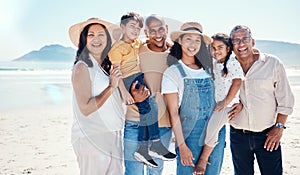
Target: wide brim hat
75,30
190,28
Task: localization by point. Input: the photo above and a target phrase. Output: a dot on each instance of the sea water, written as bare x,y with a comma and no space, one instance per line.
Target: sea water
34,84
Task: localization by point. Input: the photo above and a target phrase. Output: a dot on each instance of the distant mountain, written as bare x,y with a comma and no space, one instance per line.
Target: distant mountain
50,53
289,53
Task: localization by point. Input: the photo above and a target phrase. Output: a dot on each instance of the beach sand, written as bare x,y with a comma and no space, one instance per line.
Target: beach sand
37,141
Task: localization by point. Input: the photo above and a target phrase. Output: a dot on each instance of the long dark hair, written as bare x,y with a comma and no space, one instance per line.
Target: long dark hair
83,53
226,40
202,58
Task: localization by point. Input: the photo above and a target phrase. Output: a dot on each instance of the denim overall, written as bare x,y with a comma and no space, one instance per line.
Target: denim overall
196,107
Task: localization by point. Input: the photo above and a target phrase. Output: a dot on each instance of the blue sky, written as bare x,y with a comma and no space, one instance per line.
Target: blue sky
27,25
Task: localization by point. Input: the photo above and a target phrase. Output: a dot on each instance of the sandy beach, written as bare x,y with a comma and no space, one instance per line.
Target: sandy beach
36,140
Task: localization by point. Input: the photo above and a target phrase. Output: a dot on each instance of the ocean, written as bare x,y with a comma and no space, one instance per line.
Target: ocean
36,84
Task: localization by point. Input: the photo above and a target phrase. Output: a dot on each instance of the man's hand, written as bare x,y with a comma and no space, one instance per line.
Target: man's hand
273,139
139,94
237,107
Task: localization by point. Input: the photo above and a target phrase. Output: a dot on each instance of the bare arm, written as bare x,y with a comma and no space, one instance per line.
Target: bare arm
234,88
185,152
83,91
124,92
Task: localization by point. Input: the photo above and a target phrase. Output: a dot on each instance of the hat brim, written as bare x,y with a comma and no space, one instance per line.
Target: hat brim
176,34
76,29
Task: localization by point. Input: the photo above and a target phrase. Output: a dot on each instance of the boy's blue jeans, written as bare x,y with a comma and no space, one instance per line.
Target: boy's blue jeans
132,166
148,109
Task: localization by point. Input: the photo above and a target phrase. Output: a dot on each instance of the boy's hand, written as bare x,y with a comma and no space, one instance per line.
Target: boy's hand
114,78
128,98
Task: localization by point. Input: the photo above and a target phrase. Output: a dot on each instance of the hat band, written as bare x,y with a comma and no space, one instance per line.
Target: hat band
192,28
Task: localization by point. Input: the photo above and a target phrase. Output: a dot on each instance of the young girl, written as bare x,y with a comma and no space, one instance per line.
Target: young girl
228,79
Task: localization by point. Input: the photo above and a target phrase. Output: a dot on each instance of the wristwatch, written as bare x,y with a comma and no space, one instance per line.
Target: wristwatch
279,125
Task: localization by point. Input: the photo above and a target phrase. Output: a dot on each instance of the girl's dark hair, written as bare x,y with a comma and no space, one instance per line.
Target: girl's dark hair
226,40
202,58
83,53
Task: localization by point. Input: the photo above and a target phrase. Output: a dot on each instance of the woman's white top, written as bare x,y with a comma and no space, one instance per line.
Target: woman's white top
108,118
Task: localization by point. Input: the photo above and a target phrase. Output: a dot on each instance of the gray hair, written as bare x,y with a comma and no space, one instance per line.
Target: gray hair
240,27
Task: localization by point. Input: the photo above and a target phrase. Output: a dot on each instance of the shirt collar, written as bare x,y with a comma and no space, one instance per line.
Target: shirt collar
261,57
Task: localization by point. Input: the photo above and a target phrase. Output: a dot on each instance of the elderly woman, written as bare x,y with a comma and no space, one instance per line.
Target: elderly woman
188,88
97,107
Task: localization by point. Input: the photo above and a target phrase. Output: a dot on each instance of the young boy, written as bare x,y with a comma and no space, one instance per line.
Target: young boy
124,54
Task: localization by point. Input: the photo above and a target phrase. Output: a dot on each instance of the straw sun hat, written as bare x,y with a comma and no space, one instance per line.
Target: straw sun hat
76,29
190,28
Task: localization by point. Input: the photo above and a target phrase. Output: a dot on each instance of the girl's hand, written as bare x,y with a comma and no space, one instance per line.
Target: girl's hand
220,105
200,167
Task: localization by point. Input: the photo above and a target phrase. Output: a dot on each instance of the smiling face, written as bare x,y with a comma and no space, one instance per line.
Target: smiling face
157,34
242,44
219,50
190,44
131,30
96,40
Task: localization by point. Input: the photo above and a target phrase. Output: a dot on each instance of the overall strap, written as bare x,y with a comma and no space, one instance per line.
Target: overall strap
181,70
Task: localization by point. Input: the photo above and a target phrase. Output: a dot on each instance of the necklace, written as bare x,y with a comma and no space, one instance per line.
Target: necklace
106,73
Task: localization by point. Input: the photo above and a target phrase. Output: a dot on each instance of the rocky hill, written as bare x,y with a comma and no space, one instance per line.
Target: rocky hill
289,53
50,53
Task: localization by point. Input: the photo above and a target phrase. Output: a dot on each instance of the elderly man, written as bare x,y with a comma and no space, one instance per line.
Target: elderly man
267,99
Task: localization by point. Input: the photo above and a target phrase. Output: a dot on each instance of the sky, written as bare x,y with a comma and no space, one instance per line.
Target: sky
27,25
